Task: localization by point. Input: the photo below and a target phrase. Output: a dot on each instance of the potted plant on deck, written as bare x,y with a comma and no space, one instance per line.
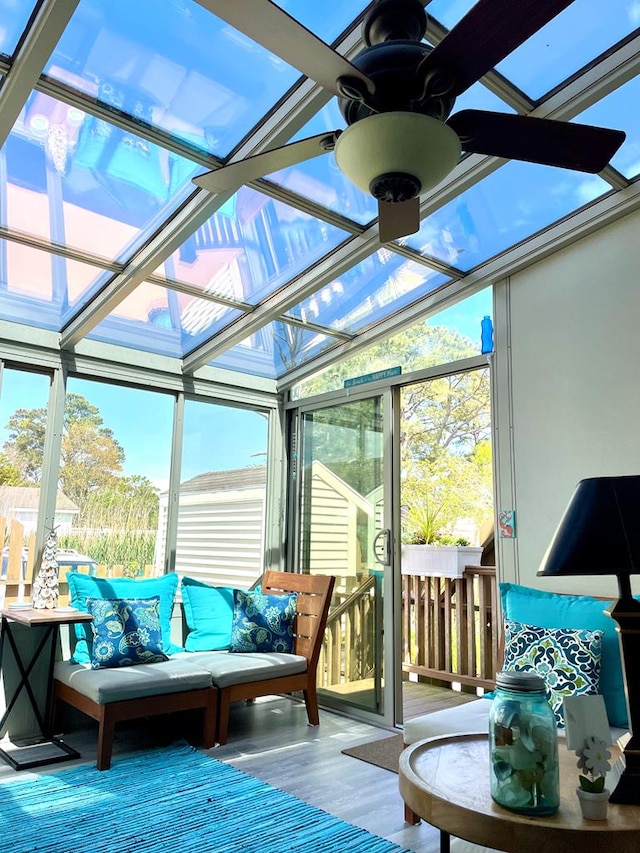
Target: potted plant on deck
429,552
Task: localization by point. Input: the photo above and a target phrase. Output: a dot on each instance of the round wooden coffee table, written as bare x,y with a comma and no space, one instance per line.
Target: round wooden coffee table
445,780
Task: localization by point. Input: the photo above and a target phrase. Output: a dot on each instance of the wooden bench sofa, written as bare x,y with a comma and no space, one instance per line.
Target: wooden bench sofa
209,680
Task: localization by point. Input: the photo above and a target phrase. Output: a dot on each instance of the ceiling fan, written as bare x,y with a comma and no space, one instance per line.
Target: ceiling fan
397,96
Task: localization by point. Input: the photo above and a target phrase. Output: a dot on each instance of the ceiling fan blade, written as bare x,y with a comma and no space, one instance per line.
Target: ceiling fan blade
489,31
398,219
537,140
270,26
236,174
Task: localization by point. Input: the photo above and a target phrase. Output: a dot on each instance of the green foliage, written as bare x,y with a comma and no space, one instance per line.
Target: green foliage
118,515
9,473
131,549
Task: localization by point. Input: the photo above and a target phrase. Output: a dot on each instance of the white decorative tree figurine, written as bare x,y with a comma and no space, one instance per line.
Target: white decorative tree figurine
44,594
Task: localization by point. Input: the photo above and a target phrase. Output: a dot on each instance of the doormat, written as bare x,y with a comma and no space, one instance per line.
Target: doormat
383,752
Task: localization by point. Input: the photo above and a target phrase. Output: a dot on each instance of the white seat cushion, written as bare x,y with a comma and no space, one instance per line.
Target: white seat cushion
227,668
462,719
132,682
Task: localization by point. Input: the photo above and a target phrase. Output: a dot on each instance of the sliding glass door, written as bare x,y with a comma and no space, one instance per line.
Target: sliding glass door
343,474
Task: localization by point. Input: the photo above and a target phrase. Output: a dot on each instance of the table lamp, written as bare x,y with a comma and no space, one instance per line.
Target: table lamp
599,534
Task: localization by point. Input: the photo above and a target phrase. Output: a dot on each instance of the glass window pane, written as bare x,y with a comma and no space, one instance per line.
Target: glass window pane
79,181
23,413
116,455
42,289
275,349
14,15
161,320
250,248
509,205
178,67
221,514
366,293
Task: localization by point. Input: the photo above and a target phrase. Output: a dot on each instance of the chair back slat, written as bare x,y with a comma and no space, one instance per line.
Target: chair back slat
312,607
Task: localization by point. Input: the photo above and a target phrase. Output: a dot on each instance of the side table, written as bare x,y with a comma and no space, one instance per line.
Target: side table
44,749
445,780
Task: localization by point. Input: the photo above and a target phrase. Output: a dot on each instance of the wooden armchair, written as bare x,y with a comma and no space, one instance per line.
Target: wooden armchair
314,597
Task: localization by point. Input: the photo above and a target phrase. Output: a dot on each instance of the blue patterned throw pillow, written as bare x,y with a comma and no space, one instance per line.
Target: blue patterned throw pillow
567,659
125,631
262,622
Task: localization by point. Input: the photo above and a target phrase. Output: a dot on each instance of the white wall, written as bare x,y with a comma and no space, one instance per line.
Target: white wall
566,389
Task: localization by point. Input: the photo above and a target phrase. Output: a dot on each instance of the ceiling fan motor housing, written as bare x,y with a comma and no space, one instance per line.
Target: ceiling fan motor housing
393,68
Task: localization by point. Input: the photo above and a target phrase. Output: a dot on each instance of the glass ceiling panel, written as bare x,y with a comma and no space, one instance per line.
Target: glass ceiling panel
39,288
174,65
250,248
376,287
620,110
572,39
512,203
578,34
14,15
274,350
161,320
76,180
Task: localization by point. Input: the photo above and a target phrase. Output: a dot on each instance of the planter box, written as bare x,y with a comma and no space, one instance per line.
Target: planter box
446,561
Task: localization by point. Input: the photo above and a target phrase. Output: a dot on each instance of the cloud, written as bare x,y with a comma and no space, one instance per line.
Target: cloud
633,10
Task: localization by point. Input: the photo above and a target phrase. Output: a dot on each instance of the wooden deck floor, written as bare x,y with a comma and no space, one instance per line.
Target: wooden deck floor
418,698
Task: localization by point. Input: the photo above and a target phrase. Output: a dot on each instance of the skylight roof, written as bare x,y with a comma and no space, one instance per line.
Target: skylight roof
108,110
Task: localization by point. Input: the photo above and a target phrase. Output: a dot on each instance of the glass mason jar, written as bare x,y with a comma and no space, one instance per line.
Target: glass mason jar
523,744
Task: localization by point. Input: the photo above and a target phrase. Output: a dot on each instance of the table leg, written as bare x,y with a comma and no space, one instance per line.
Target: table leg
44,749
445,842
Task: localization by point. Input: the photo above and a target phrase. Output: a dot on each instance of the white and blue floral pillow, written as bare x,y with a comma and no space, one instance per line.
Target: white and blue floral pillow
263,622
568,660
125,631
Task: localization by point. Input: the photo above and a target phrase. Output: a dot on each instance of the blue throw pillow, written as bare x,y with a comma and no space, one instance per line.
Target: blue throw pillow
263,623
553,610
567,659
208,611
125,631
82,587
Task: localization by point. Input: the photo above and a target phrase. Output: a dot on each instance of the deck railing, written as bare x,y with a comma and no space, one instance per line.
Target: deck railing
349,647
449,629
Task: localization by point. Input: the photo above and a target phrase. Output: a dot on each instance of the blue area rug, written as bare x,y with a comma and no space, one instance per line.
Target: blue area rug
174,800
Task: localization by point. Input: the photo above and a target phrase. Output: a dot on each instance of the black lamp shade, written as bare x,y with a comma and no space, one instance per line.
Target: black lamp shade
599,533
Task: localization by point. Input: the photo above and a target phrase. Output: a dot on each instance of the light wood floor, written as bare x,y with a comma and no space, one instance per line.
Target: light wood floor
270,739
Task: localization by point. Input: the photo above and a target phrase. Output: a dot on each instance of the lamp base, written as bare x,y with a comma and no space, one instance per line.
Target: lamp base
627,791
626,612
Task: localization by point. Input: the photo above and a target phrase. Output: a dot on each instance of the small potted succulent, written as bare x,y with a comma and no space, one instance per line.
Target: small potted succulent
593,761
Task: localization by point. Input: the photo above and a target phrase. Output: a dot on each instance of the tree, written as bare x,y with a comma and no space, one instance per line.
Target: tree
91,458
9,473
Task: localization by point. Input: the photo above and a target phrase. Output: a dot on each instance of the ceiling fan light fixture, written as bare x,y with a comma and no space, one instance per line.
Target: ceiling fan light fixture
387,153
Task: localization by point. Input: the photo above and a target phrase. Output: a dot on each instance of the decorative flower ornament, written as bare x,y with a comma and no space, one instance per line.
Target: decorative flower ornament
593,761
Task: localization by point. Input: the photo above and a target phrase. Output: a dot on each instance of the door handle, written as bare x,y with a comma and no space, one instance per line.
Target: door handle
382,547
